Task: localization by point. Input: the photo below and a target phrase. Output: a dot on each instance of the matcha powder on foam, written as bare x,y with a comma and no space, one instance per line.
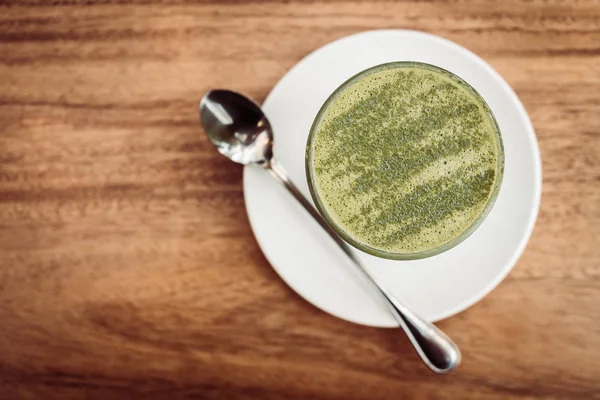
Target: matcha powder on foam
405,158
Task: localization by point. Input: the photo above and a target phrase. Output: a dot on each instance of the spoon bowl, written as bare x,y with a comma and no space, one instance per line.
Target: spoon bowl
237,127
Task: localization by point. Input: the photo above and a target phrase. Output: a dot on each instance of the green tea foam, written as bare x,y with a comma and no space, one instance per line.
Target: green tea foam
405,158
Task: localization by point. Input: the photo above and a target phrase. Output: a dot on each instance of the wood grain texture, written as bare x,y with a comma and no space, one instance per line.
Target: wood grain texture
127,265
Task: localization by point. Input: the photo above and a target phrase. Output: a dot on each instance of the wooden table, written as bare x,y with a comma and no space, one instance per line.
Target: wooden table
127,265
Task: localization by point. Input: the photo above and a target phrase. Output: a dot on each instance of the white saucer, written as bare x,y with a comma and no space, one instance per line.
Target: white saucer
435,287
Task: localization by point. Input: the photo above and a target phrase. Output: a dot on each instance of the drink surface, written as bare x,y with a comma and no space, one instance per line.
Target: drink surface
405,158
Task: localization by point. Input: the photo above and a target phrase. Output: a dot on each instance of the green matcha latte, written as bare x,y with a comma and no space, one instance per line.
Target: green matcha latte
404,160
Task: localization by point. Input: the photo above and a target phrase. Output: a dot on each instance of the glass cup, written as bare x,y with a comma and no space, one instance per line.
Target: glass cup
378,252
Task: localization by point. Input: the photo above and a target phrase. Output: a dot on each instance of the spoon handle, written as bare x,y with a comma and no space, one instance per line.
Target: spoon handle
436,349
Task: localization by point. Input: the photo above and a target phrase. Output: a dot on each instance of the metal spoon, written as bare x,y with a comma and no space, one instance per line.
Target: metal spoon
241,131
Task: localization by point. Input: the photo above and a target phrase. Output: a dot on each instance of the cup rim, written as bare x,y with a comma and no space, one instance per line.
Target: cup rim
412,255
